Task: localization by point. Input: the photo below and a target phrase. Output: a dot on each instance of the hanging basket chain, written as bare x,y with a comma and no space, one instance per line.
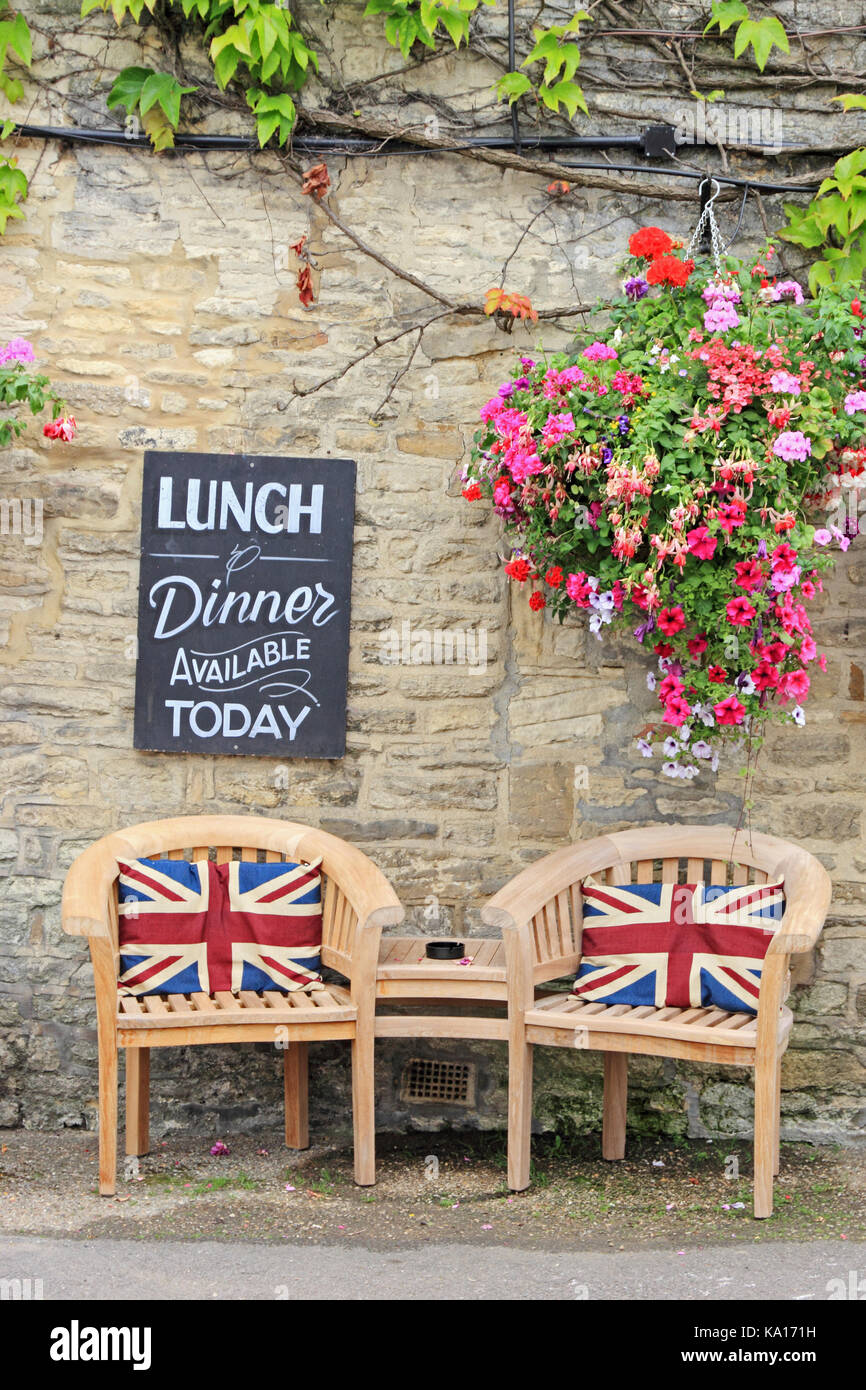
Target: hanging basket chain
708,226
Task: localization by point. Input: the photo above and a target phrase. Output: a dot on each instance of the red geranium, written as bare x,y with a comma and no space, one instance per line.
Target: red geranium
649,242
519,569
536,601
668,270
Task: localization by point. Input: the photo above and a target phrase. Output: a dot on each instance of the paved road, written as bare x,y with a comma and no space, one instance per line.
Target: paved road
134,1269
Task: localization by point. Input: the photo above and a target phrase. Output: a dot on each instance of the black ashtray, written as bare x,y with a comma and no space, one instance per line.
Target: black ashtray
445,950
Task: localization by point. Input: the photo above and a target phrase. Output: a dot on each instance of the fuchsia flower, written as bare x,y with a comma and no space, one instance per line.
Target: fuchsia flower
61,428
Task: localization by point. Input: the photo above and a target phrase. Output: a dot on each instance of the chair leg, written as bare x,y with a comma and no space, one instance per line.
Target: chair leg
295,1075
615,1098
777,1116
766,1084
107,1117
137,1100
519,1113
364,1106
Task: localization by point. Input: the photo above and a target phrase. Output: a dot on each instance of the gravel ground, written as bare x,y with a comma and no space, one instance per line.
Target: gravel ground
435,1188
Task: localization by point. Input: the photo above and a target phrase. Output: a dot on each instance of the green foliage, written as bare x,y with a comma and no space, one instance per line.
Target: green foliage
14,39
261,39
762,35
155,96
274,113
13,189
22,389
119,8
835,221
417,21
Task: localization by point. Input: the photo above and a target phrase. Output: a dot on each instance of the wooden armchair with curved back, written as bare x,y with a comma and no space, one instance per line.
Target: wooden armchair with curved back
541,915
358,902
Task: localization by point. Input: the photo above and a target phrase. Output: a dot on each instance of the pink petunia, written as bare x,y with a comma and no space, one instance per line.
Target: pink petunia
701,543
739,611
730,711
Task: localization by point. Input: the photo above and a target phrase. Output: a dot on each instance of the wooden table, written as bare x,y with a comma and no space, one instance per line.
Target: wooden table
405,973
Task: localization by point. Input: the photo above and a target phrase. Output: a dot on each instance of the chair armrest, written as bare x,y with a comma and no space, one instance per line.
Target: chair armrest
808,892
86,903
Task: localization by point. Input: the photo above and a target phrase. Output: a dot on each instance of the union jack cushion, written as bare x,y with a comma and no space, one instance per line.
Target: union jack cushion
190,927
682,944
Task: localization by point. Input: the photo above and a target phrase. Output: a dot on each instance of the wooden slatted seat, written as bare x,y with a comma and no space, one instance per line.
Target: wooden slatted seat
358,902
725,1032
268,1007
540,913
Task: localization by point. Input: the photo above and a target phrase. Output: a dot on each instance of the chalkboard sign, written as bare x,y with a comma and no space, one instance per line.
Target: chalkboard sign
243,611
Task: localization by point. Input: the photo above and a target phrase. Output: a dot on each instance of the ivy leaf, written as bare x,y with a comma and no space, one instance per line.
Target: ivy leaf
165,90
127,86
13,185
513,85
852,101
569,93
763,35
847,170
456,24
554,55
726,13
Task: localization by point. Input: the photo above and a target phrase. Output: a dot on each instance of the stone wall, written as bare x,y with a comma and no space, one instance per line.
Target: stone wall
160,294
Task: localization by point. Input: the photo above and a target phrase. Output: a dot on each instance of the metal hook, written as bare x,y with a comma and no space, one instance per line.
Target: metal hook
708,191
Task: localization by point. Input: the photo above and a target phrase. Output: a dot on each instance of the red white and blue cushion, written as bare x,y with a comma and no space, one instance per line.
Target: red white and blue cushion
688,945
199,927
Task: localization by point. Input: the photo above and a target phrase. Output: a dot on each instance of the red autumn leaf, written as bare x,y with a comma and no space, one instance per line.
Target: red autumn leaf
558,187
497,301
316,181
305,286
298,246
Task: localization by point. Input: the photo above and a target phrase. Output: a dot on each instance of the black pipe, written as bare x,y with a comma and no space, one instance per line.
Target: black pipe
371,147
112,135
512,59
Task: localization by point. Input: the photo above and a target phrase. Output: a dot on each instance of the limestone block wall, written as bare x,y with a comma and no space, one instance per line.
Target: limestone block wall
160,294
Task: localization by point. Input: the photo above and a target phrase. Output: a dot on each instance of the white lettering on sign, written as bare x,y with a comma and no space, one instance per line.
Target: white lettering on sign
212,504
206,718
179,600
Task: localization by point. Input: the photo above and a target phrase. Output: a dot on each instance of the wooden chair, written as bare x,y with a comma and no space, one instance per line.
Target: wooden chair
540,914
358,903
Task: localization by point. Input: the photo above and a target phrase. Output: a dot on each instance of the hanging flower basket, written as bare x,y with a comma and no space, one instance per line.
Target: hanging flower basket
676,476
